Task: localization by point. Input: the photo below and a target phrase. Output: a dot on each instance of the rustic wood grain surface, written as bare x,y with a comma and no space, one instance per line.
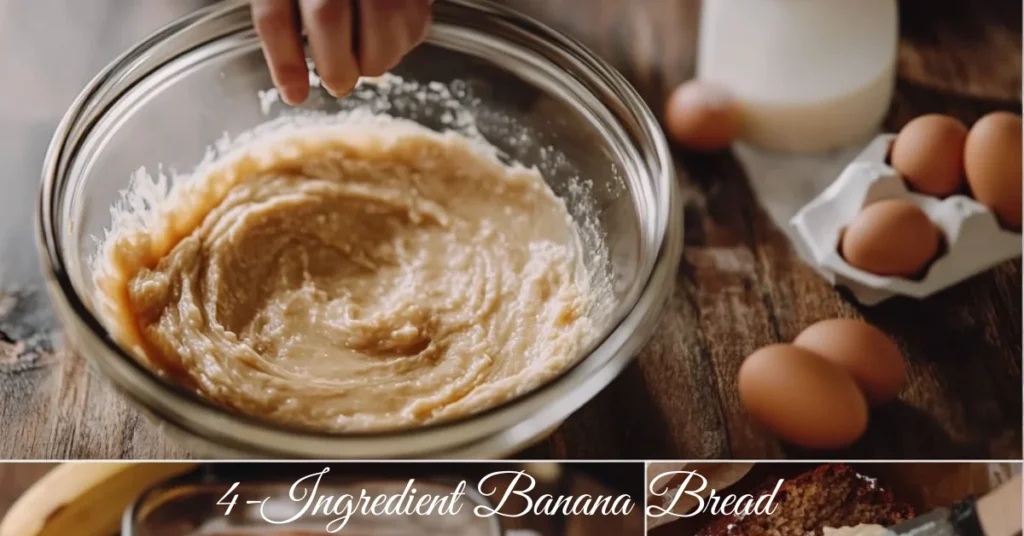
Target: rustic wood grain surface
606,480
740,285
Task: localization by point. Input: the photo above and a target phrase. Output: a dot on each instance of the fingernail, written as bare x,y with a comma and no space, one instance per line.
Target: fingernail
292,95
340,90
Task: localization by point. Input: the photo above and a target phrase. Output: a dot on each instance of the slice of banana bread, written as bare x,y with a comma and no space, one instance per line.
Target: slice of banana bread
831,495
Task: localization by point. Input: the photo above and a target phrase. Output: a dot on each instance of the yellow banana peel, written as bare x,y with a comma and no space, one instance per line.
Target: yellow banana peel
84,498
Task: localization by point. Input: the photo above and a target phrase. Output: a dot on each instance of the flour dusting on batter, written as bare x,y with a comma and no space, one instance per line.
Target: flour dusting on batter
357,272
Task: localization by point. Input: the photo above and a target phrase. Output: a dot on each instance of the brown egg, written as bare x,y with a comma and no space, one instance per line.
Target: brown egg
928,152
802,397
702,116
864,351
992,159
892,237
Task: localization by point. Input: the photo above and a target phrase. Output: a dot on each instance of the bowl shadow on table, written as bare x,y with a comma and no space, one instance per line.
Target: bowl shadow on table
640,431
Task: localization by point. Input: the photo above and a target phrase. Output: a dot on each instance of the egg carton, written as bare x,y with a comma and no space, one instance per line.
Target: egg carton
973,238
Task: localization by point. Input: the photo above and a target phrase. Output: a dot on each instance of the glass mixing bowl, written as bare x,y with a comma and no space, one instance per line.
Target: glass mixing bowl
540,97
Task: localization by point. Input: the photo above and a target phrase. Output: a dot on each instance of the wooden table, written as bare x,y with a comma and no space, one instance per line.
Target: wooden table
740,285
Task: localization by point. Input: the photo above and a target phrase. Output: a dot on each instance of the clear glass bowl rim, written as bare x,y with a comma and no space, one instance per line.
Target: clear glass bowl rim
619,344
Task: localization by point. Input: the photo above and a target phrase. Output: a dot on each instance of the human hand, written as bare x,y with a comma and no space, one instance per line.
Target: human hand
347,39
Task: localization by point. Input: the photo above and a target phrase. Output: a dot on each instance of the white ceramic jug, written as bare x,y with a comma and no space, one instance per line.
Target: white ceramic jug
811,75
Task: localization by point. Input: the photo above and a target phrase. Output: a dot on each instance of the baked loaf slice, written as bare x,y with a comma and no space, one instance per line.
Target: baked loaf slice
831,495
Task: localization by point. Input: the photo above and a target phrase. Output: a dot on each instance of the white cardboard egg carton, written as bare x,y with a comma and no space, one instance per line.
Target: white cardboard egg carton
973,238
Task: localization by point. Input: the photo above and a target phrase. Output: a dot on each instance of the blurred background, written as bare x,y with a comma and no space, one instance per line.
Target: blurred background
15,478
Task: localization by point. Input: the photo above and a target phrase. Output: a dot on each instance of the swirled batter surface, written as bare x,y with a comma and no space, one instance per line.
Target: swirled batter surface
352,277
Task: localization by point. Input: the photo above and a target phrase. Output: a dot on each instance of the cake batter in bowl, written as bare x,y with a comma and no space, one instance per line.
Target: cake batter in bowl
352,272
544,108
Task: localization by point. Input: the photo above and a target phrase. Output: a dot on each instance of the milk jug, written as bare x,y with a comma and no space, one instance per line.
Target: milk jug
811,75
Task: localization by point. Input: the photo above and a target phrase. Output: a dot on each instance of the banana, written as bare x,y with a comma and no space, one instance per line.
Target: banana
84,498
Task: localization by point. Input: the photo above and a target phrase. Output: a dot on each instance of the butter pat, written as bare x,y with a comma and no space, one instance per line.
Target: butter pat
859,530
811,75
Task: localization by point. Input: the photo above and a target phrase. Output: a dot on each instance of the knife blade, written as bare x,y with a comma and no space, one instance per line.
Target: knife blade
999,513
935,523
